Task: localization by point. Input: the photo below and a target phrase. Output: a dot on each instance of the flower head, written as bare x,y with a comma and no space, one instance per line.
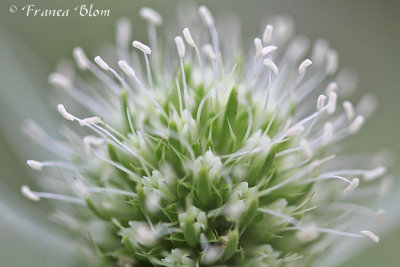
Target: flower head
199,157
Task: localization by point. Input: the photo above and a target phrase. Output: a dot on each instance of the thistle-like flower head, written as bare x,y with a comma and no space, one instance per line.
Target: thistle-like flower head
194,154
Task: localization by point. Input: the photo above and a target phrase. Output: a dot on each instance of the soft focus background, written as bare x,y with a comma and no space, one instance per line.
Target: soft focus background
365,33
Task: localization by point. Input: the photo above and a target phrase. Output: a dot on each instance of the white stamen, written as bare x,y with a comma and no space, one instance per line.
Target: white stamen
102,64
303,66
321,102
353,185
142,47
267,36
374,173
318,54
123,31
328,133
356,125
128,70
332,98
188,37
306,148
308,233
271,65
58,79
151,15
268,49
206,16
371,235
332,87
379,215
94,120
258,45
35,164
80,58
332,61
349,109
27,192
89,140
180,46
317,163
209,51
64,113
295,130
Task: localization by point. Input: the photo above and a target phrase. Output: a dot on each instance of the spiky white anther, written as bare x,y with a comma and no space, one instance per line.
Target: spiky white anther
374,173
268,49
332,61
267,36
180,46
321,102
102,64
61,109
271,65
206,16
371,235
356,125
349,110
353,185
80,58
306,148
188,37
58,79
128,70
303,66
27,192
332,87
328,133
209,51
332,98
90,120
37,165
151,15
142,47
295,130
258,45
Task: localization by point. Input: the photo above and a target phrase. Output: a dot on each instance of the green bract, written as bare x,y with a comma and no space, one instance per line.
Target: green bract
199,157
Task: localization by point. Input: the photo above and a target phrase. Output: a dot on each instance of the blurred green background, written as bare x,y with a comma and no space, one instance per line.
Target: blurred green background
365,33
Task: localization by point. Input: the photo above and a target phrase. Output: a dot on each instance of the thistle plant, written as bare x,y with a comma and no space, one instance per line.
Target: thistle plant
195,154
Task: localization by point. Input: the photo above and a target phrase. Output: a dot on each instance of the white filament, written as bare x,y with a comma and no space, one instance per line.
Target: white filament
268,49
